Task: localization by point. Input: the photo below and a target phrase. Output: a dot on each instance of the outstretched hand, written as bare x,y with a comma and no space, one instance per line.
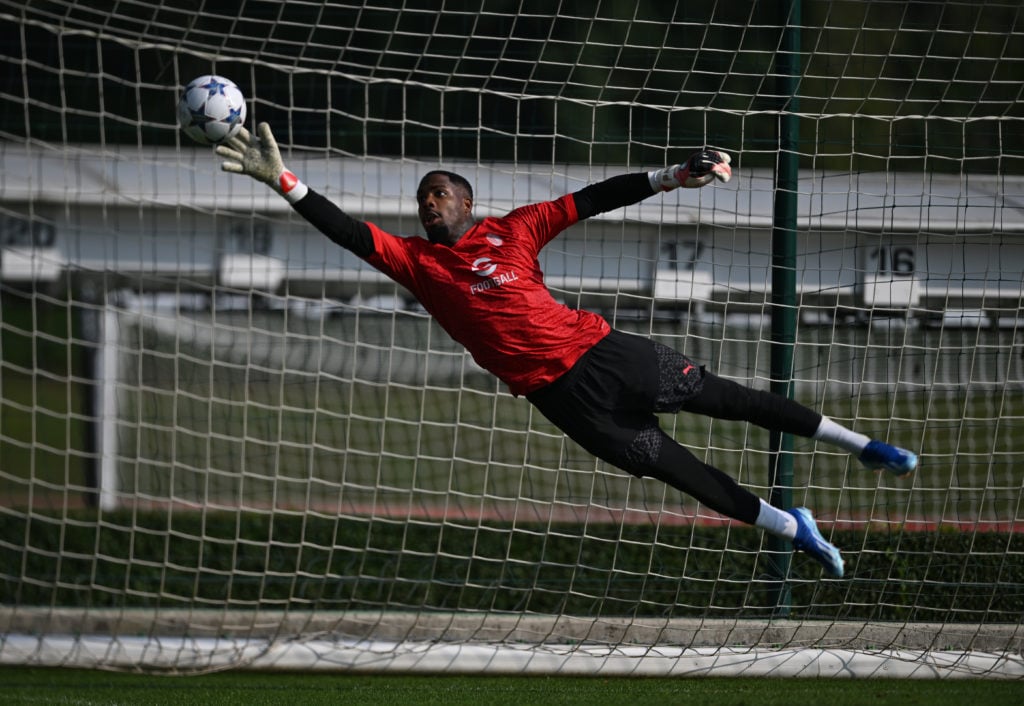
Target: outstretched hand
704,167
699,170
255,156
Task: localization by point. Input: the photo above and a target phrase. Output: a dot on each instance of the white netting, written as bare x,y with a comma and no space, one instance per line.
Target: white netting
225,433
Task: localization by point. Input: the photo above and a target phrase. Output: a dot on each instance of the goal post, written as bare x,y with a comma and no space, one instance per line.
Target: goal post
228,443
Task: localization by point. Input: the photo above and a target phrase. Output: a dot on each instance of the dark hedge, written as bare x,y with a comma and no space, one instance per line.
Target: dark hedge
238,560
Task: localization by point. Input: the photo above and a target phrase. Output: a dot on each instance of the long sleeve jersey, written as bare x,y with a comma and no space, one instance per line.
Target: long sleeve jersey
487,291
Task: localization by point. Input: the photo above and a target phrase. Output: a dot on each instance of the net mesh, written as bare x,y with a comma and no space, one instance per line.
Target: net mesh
225,434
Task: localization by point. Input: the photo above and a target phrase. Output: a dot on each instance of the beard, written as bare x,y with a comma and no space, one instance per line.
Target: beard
439,234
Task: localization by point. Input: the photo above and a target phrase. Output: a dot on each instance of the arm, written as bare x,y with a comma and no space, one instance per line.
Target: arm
337,225
625,190
613,193
260,158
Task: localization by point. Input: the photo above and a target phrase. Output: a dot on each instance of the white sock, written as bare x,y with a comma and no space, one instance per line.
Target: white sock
775,521
838,435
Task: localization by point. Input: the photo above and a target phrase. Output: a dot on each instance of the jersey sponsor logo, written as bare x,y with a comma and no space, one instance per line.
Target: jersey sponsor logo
483,267
496,281
495,240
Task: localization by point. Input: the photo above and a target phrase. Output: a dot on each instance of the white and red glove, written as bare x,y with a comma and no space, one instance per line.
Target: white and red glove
699,170
260,158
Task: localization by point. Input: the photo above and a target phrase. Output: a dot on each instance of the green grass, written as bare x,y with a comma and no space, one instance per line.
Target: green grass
66,686
217,437
219,426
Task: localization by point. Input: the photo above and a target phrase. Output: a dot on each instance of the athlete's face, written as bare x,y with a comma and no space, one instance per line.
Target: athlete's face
445,209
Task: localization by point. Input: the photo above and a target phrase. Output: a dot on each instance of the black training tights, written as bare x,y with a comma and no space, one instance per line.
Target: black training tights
724,399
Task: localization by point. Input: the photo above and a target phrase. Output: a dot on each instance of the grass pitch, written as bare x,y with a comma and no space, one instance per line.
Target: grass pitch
73,686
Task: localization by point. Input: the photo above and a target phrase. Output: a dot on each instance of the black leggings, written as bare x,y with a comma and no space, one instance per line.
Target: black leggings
725,399
607,404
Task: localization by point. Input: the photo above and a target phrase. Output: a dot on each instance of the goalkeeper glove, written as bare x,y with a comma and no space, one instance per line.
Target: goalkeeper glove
259,157
699,170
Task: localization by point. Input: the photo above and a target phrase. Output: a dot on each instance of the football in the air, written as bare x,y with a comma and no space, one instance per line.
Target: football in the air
211,109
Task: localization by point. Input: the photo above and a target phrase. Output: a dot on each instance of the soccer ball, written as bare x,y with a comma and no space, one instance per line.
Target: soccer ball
211,110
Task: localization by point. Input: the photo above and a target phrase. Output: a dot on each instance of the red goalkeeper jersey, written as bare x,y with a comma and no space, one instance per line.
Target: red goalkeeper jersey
487,291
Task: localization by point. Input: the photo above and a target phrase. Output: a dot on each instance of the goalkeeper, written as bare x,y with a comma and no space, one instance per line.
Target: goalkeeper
482,282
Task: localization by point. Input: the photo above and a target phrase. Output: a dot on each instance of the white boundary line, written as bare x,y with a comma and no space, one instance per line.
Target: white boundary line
209,654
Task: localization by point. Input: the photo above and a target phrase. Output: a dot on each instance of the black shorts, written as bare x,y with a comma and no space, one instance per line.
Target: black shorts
608,400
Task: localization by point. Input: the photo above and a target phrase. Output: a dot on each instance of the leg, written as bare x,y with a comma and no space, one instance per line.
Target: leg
605,407
725,399
607,403
655,454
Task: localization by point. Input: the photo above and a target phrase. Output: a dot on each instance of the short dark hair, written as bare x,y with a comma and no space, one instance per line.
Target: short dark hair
457,179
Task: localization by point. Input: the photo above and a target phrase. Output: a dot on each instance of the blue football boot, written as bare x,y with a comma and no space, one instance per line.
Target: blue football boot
809,541
878,454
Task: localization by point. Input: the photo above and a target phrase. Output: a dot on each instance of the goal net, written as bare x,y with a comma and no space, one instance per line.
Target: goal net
226,442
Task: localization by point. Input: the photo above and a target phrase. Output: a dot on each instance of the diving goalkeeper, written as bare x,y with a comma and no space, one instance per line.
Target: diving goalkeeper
482,282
